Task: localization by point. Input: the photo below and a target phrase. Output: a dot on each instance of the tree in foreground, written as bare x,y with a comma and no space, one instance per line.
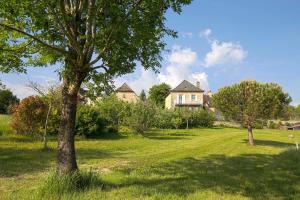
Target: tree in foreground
250,101
93,40
158,94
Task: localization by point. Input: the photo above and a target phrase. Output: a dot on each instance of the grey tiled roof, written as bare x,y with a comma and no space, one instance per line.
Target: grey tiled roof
186,86
124,88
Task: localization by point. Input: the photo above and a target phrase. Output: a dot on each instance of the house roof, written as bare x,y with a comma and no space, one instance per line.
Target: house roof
186,86
124,88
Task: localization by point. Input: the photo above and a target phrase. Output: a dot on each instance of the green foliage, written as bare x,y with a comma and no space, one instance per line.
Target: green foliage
89,122
112,109
202,118
165,118
7,100
143,96
117,34
140,116
56,185
180,118
249,101
158,94
291,113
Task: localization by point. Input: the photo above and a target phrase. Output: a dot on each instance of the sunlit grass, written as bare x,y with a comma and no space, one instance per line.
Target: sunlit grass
163,164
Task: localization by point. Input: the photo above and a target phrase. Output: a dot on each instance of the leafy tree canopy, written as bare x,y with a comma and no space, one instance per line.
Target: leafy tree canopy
249,101
158,94
7,99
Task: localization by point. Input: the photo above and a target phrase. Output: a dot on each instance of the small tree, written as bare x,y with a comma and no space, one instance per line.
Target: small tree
29,116
52,97
141,116
158,94
7,99
112,110
143,96
249,101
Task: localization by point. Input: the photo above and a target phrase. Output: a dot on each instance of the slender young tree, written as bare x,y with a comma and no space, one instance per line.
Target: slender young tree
143,96
250,101
93,40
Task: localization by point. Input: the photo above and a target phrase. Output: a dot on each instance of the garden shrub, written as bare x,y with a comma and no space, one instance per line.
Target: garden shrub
202,118
89,122
29,116
141,116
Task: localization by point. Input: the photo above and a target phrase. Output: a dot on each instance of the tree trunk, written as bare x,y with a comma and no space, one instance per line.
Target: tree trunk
250,136
46,128
187,124
66,159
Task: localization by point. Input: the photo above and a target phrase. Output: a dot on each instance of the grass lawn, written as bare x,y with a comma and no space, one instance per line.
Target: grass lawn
165,164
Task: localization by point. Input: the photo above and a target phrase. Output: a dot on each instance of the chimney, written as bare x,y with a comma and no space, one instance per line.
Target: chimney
198,84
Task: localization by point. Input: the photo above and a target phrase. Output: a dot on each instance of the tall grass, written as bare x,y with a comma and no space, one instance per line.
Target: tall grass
56,185
4,124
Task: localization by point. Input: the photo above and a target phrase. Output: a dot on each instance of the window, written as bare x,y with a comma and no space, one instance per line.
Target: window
180,99
193,97
124,96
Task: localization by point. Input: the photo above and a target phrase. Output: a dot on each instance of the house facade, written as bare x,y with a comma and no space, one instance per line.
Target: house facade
125,93
189,96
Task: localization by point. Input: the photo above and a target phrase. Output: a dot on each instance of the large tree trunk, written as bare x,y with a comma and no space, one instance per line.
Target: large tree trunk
66,159
250,136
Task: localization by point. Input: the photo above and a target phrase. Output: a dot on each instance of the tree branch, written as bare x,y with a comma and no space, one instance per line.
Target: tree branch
114,29
56,48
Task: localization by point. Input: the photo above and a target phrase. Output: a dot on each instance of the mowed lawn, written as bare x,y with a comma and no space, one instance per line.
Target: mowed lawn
164,164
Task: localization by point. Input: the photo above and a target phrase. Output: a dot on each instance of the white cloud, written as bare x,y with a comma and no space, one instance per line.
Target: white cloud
187,35
179,68
181,60
206,34
222,53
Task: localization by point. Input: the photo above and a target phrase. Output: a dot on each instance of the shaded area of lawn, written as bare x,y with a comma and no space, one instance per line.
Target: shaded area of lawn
14,162
257,176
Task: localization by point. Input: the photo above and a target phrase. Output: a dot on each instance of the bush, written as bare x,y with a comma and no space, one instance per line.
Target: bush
202,118
113,111
141,116
88,121
273,125
258,124
29,116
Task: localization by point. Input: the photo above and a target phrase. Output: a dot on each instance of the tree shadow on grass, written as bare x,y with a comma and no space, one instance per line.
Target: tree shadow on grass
15,162
256,176
104,136
174,135
271,143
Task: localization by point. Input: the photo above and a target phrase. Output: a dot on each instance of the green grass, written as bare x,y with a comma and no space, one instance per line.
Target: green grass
165,164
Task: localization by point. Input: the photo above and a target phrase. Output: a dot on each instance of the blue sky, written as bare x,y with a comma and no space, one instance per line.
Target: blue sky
220,42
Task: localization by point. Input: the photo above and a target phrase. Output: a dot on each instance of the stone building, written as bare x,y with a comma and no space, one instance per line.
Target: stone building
125,93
